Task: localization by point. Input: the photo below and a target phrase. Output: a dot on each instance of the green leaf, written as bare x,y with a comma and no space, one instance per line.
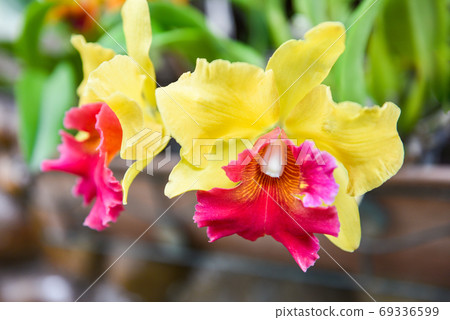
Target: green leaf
277,21
194,43
422,29
114,39
110,19
399,36
441,81
190,43
246,4
238,51
27,45
349,70
183,30
319,11
383,75
258,30
412,108
315,10
28,93
339,10
58,96
170,16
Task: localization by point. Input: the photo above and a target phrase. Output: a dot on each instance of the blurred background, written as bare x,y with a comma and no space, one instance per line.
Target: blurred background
396,50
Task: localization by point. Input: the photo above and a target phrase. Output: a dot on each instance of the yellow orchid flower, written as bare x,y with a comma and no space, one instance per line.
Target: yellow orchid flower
230,103
126,83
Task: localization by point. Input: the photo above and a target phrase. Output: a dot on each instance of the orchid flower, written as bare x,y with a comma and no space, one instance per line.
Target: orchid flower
229,104
126,83
117,102
88,155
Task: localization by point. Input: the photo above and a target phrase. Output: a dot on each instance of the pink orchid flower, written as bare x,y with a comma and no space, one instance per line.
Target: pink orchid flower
87,155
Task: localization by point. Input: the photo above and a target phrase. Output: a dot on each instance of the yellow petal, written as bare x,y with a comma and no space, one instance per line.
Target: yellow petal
119,83
143,137
120,74
186,177
131,174
218,100
347,208
363,139
134,170
301,65
138,36
92,55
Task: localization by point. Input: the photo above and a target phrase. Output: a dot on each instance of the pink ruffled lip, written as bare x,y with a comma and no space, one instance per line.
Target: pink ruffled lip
291,202
89,158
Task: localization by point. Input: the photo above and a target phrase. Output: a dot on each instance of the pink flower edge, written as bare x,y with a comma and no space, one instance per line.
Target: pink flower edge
88,159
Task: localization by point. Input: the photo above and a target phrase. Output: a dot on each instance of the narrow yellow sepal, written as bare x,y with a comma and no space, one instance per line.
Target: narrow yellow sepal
92,55
349,236
138,36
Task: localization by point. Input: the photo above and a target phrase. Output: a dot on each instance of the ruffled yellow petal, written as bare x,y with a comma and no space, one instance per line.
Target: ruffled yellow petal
120,83
301,65
347,208
219,100
138,36
363,139
92,55
185,176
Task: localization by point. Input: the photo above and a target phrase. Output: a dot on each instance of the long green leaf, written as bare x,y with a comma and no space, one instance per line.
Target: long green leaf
171,16
277,21
349,69
412,109
422,30
315,10
256,25
58,95
258,30
188,43
442,53
240,52
114,39
195,43
27,45
339,10
28,93
383,75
